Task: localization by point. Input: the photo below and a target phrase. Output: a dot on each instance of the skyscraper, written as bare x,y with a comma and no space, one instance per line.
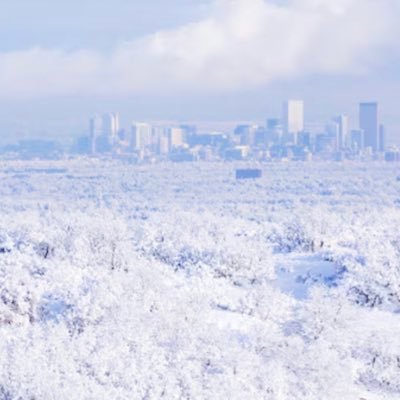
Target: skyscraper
103,131
357,140
274,131
96,130
141,135
369,123
333,131
293,119
176,137
247,134
382,138
110,124
343,130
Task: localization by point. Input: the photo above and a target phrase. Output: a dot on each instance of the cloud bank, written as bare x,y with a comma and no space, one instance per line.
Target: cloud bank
240,44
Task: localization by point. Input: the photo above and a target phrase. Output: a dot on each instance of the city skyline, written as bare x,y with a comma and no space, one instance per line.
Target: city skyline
312,121
286,137
289,136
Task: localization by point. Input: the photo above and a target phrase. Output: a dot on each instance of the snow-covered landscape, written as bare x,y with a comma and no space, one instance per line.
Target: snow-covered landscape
176,281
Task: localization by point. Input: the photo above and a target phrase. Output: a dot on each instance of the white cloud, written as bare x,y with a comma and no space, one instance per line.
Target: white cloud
241,43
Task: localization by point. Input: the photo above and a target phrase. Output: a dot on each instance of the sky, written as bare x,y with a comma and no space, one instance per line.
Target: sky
211,60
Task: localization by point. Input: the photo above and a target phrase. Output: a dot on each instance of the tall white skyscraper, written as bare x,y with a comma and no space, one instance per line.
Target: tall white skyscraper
369,123
141,135
293,118
343,130
110,124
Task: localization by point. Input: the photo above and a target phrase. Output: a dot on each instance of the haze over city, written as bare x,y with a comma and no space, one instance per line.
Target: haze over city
200,61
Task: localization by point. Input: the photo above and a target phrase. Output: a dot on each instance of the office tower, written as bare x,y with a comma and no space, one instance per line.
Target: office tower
110,130
382,138
293,119
240,134
176,137
158,133
332,131
141,135
161,138
110,124
103,132
163,145
357,140
369,123
246,134
343,130
96,130
260,137
274,131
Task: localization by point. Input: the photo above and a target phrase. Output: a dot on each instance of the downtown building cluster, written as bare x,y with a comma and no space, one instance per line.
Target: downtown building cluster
287,137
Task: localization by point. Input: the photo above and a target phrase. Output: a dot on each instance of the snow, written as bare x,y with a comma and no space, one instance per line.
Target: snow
297,273
176,281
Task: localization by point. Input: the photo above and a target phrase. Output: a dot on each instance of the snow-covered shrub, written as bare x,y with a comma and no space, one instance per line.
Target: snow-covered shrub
161,281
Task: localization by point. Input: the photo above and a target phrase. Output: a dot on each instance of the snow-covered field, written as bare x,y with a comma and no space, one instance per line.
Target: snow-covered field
174,281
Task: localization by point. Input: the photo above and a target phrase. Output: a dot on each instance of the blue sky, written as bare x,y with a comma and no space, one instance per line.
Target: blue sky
98,24
202,60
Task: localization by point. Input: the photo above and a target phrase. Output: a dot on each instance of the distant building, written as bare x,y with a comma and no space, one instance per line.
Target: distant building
369,123
357,140
214,139
141,135
35,148
247,134
248,173
382,138
274,131
392,155
333,131
176,137
96,130
293,119
260,137
110,124
163,144
343,130
81,145
103,132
